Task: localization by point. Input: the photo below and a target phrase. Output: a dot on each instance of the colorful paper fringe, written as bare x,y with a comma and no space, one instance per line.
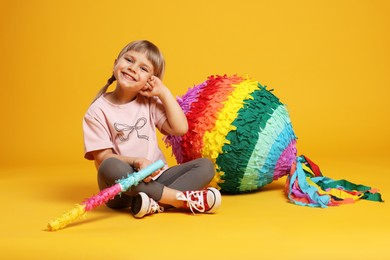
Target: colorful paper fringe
103,196
307,186
242,127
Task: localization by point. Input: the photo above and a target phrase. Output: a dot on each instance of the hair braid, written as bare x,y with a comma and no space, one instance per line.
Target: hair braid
105,87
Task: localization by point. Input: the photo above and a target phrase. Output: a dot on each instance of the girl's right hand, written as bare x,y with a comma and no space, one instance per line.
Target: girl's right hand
153,87
141,163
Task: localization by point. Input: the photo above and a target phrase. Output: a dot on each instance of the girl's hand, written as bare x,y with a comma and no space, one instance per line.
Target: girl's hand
141,163
153,87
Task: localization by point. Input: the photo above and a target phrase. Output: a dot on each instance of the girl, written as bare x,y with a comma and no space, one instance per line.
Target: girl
120,136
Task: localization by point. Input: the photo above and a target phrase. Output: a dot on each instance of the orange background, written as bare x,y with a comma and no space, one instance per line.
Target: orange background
327,60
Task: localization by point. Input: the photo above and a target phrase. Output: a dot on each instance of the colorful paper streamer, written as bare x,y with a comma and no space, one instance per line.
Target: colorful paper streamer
306,186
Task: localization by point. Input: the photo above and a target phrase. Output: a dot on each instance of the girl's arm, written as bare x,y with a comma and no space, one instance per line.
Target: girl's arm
100,155
176,123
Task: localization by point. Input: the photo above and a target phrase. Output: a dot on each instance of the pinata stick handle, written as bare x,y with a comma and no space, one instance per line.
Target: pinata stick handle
134,178
104,196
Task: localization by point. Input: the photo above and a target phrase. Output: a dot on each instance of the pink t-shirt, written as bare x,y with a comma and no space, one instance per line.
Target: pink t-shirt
129,129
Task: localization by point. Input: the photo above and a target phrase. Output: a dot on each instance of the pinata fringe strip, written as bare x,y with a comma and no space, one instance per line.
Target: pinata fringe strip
306,186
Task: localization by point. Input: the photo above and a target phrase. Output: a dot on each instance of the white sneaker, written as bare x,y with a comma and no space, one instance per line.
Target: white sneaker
142,205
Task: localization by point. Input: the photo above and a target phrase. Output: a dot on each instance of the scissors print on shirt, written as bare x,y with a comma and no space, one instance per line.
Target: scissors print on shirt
124,130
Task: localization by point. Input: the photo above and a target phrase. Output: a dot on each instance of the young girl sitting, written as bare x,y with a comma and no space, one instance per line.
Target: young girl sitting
120,136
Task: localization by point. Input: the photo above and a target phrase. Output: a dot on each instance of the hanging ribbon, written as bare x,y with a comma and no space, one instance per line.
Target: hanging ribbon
306,186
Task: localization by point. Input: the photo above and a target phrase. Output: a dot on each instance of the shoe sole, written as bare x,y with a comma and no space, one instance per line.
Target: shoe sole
139,209
217,199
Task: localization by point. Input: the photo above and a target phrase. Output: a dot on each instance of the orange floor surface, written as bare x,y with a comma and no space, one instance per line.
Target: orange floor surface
259,225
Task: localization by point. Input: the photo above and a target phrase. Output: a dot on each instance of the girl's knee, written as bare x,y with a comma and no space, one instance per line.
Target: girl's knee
112,169
208,168
114,164
109,163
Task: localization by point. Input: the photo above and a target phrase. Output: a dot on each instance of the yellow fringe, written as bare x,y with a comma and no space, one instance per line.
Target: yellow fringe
66,218
333,191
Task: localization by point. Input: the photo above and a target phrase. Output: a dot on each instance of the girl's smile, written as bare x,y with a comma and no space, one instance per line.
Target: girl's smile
128,76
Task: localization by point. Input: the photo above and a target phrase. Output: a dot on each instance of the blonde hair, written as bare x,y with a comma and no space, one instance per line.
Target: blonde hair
152,53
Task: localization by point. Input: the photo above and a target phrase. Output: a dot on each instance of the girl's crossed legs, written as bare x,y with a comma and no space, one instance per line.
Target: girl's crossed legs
189,176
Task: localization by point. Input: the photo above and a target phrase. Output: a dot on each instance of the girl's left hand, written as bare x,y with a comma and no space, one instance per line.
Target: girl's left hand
150,177
153,87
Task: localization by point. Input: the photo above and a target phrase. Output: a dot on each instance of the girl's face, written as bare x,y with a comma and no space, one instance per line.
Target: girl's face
132,70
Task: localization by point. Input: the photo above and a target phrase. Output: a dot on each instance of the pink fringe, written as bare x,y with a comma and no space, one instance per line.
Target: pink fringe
103,197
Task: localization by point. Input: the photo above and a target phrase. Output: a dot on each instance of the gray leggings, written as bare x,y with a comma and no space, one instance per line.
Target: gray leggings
192,175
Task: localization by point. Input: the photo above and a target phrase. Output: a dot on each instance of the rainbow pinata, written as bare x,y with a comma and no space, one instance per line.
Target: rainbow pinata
242,127
246,131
